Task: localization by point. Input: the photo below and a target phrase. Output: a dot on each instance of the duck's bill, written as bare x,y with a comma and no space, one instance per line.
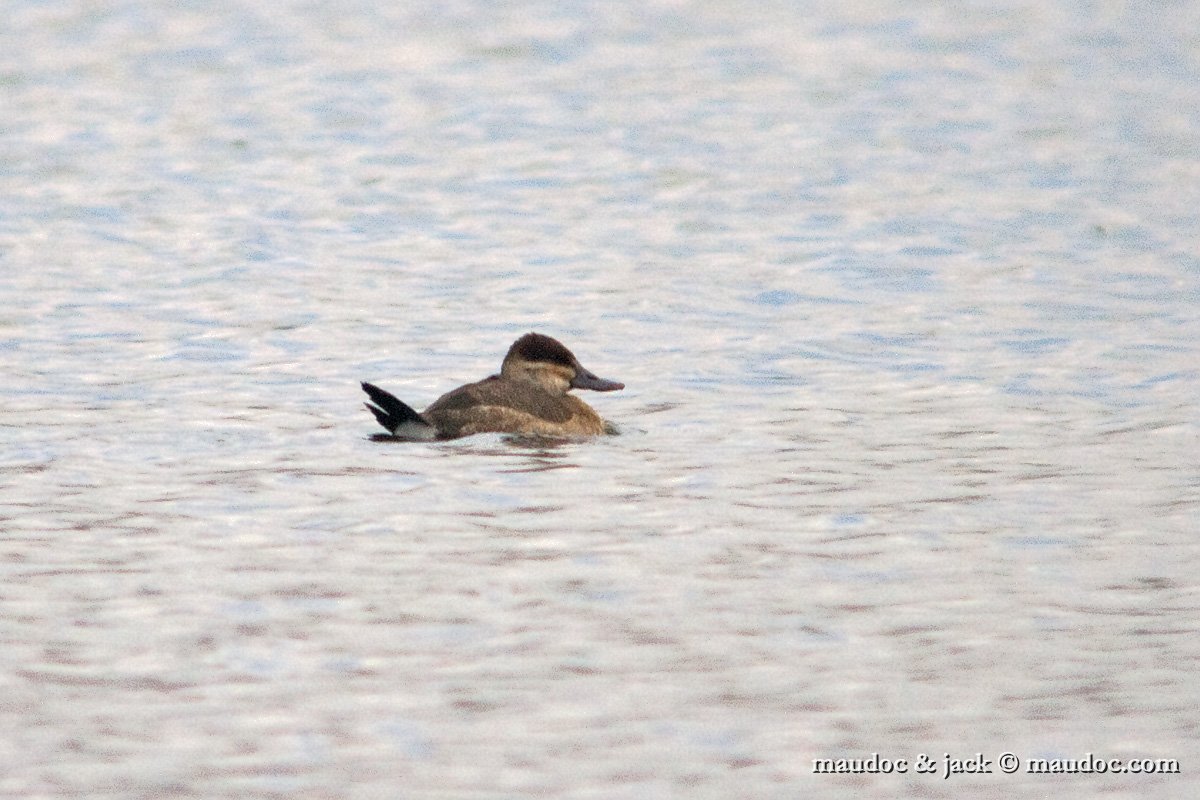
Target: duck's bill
586,380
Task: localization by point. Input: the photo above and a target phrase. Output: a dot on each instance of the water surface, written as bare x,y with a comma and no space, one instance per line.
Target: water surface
905,297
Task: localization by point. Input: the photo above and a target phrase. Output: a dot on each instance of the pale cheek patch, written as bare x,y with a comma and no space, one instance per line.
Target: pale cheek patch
554,379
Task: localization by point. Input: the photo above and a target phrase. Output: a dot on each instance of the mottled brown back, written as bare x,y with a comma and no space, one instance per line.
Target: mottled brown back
502,406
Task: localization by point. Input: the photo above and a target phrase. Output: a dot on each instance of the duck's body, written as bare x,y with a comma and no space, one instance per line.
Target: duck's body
529,396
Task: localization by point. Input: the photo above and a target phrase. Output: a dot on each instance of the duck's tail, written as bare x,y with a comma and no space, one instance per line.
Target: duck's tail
400,419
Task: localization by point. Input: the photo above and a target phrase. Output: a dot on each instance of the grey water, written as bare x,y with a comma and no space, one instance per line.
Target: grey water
906,297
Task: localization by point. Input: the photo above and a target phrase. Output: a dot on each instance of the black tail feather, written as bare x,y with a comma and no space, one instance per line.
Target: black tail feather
381,415
390,410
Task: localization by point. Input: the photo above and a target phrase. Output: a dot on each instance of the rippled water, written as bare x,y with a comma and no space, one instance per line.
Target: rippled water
905,296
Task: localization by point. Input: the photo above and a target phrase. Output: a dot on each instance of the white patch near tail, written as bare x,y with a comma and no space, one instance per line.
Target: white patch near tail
415,431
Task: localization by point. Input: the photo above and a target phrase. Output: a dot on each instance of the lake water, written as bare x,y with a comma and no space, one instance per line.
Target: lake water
906,296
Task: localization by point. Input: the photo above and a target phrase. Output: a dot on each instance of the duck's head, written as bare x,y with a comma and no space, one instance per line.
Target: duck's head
539,359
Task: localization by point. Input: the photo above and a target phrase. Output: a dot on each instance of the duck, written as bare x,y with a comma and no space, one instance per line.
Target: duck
529,396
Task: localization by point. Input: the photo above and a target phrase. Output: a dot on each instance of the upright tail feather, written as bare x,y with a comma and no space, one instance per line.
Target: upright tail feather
399,418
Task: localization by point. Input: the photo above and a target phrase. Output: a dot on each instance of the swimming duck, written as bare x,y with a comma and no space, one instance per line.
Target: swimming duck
529,396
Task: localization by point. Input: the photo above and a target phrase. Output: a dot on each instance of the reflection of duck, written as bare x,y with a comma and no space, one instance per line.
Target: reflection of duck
528,396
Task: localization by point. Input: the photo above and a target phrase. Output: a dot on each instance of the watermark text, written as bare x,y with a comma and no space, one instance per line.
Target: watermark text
947,766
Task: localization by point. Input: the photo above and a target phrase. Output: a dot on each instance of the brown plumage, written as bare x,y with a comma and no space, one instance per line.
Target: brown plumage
529,396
